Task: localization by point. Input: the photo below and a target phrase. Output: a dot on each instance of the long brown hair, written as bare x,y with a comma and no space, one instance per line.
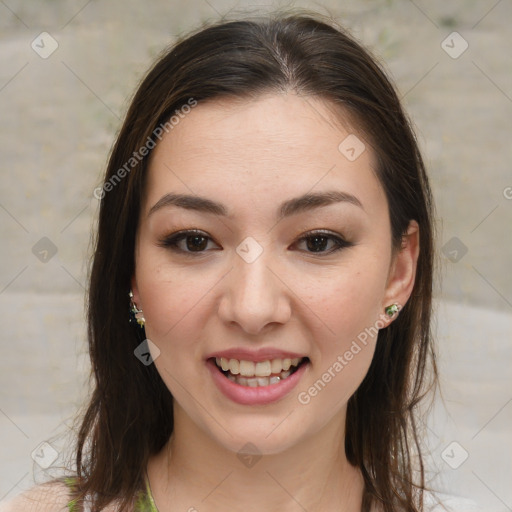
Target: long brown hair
129,417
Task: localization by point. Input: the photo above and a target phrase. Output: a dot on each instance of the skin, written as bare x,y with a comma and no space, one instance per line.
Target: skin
251,156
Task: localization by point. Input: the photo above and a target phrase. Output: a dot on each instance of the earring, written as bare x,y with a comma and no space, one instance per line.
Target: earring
392,310
136,314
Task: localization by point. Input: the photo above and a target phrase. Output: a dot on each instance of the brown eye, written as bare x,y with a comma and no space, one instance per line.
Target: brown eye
188,242
196,242
323,242
317,243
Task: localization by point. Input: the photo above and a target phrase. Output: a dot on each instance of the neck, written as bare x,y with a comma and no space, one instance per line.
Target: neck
193,472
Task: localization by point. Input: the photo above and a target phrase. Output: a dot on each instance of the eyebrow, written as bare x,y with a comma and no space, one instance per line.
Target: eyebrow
306,202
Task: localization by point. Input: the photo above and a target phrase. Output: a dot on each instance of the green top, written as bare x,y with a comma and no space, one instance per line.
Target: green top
143,501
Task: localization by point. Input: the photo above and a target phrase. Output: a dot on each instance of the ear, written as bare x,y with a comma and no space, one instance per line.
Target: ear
402,272
135,291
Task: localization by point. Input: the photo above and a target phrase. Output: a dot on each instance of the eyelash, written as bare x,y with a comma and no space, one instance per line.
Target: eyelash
171,241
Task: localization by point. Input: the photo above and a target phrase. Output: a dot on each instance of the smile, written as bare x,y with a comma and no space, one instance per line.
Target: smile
258,374
259,382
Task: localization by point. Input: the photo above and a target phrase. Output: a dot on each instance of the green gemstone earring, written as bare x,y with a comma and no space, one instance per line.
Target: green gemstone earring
392,310
136,314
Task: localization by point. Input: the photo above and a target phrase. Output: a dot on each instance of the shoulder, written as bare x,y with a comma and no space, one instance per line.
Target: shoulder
49,497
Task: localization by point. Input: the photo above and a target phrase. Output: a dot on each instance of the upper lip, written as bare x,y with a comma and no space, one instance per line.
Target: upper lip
262,354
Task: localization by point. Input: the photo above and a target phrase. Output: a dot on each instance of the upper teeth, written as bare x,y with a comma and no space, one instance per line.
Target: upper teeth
259,369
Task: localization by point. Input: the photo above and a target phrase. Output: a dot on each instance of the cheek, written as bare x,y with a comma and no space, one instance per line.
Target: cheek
175,305
170,296
349,306
342,358
349,300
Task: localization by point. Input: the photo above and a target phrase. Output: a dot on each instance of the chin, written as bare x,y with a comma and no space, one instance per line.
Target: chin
257,442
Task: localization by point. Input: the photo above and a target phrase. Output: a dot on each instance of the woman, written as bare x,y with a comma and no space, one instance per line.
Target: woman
266,225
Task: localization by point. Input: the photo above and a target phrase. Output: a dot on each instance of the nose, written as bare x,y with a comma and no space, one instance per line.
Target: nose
254,297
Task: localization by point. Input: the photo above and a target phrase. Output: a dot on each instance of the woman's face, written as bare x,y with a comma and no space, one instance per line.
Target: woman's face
288,261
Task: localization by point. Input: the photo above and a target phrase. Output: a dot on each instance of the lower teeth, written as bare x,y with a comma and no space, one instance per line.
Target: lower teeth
255,382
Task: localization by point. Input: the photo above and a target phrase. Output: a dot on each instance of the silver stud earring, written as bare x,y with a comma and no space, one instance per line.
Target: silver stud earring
136,314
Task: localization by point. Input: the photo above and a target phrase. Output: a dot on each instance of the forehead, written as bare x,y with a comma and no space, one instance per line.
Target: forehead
262,150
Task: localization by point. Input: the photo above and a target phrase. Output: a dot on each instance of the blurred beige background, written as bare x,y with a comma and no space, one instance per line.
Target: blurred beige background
67,71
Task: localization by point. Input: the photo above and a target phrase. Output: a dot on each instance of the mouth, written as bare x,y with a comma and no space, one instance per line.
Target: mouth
258,374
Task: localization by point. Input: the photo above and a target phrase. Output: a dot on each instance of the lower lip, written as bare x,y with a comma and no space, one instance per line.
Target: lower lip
261,395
